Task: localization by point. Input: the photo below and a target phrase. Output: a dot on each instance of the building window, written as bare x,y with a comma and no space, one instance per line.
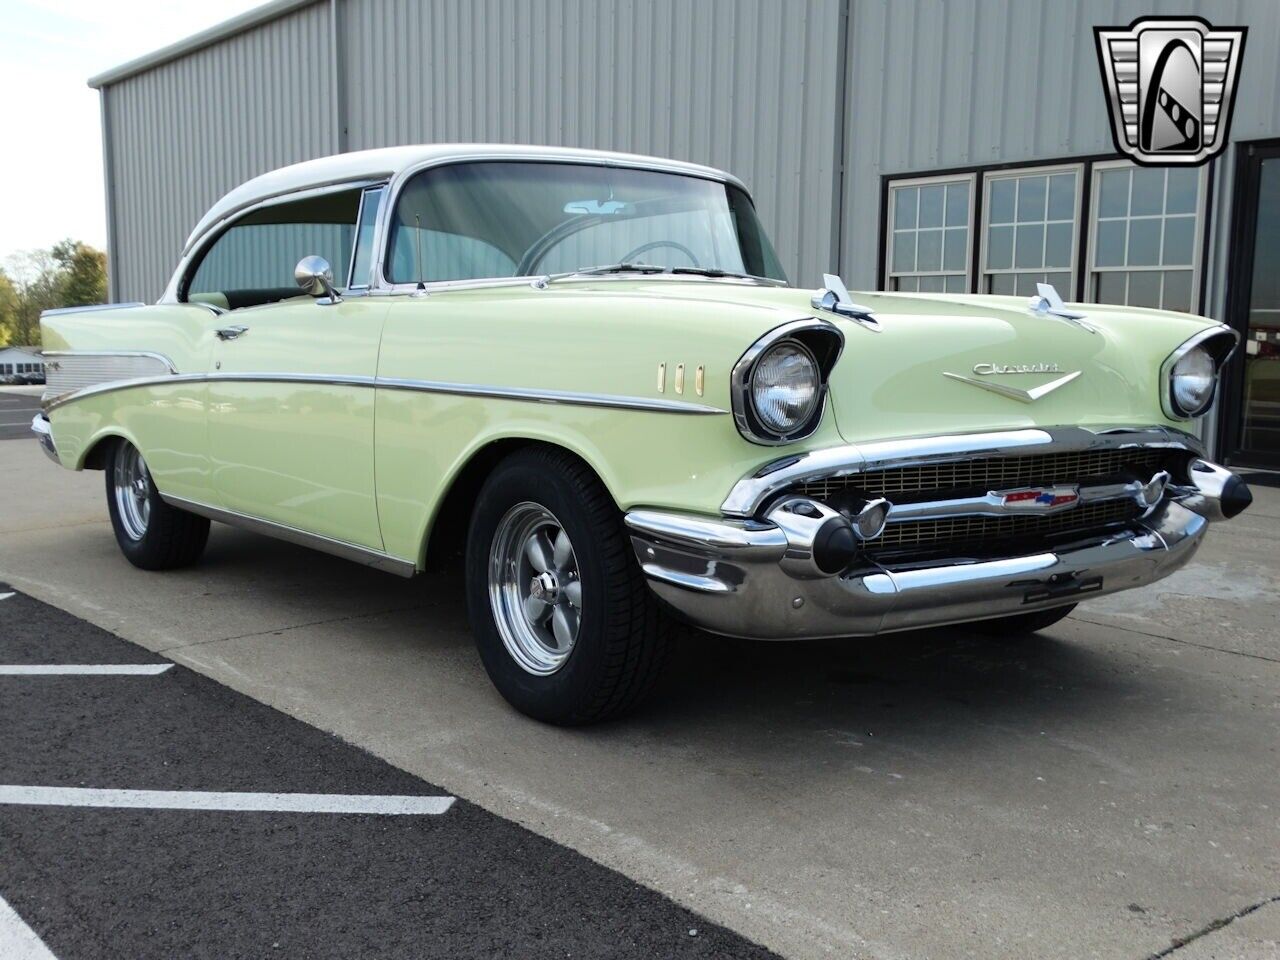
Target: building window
1146,228
930,224
1029,230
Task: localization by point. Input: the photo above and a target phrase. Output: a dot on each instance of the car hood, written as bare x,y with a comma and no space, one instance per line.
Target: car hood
930,363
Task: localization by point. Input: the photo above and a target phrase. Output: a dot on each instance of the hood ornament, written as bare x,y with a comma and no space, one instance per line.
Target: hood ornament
1013,393
1048,303
834,298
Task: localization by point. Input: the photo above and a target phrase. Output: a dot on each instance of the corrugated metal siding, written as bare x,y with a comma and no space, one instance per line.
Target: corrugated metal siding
184,133
935,85
745,85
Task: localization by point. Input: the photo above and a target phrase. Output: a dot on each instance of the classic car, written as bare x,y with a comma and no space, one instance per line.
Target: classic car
587,372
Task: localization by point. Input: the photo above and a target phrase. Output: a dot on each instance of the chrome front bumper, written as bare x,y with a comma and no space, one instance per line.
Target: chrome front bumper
729,577
44,433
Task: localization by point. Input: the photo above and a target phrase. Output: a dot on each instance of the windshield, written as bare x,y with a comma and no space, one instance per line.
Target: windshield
471,221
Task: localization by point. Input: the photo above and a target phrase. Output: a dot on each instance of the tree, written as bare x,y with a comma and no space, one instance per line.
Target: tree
69,274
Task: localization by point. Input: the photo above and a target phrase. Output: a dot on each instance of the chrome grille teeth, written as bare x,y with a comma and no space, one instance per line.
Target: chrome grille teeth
928,533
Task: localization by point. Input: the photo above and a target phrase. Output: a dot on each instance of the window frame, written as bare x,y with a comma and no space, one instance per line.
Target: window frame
886,247
1198,238
1081,270
1012,173
351,284
191,262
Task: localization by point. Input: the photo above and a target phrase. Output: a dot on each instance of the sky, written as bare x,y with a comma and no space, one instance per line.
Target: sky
51,184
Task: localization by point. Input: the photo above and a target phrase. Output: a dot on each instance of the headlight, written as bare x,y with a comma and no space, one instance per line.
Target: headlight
786,388
1192,381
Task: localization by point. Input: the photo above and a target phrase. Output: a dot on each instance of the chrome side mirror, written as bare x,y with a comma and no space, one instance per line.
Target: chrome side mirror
315,277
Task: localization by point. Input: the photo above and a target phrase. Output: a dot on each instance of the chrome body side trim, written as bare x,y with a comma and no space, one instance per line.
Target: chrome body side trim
1167,403
748,590
551,396
531,395
69,372
160,357
751,492
44,433
338,548
90,308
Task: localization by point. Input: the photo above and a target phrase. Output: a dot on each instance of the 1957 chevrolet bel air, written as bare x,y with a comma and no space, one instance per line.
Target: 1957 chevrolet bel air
590,369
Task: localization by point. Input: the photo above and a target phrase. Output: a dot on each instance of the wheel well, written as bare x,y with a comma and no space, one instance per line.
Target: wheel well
96,458
447,539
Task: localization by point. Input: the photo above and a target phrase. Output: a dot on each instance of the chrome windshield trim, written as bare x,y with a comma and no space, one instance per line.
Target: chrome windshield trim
530,395
750,493
365,556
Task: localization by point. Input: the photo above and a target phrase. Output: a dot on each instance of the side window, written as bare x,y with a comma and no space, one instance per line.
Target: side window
362,256
252,261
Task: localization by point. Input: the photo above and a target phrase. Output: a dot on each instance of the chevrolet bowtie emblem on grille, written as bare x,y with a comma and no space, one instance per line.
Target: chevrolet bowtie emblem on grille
1170,85
1013,393
1040,499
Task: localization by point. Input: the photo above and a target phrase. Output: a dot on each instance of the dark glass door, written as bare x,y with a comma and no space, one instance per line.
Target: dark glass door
1255,310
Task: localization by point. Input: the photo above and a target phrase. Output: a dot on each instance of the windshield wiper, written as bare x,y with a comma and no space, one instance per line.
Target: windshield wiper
716,272
619,268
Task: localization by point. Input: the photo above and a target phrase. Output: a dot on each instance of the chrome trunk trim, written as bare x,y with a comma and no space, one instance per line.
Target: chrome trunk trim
339,548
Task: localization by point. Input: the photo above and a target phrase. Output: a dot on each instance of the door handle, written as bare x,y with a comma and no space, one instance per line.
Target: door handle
230,333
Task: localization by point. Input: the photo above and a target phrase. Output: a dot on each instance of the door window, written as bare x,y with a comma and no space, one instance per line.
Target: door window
252,262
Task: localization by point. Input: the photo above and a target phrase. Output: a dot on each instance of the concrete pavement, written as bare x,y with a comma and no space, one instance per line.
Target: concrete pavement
1106,789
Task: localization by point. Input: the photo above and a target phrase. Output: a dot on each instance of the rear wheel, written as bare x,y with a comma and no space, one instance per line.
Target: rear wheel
1023,623
152,534
564,622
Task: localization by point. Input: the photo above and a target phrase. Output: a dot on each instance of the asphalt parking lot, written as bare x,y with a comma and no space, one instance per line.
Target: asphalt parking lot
17,406
97,871
1108,789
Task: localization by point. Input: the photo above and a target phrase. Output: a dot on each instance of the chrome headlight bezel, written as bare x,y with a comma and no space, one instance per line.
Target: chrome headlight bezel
821,341
1215,343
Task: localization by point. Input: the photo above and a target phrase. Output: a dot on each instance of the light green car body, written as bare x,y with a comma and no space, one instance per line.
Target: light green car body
371,465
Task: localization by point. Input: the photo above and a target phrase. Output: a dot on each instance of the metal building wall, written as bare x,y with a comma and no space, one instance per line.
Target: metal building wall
749,86
934,85
180,135
746,85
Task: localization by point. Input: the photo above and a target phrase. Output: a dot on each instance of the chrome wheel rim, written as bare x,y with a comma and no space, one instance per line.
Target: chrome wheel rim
534,588
132,484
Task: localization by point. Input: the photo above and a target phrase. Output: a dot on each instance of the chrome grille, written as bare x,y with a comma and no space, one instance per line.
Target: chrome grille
976,529
993,473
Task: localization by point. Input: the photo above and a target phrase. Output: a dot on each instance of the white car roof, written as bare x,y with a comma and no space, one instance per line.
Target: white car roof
389,162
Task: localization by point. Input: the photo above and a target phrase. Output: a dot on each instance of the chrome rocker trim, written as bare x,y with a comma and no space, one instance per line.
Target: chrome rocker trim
44,433
338,548
730,577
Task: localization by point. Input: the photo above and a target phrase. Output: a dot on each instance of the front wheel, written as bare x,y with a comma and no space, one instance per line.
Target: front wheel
564,622
152,534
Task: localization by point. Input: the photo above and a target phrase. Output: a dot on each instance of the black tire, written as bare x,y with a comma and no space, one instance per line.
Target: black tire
169,537
1023,623
621,634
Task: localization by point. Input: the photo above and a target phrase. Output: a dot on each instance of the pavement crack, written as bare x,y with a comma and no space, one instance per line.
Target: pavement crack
292,626
1211,927
1162,636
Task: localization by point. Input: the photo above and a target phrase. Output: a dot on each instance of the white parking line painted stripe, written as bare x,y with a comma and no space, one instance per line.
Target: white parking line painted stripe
240,802
82,669
17,940
6,596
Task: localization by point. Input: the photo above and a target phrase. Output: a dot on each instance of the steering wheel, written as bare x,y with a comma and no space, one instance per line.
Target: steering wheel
656,244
